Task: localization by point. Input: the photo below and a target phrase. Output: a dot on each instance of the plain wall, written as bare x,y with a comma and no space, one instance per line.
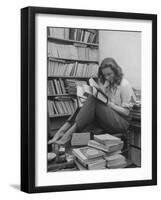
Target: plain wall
125,48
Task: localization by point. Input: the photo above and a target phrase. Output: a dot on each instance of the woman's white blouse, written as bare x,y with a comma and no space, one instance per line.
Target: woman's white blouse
122,95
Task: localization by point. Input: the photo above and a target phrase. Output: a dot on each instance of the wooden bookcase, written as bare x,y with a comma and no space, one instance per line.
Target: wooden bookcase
135,145
72,59
135,134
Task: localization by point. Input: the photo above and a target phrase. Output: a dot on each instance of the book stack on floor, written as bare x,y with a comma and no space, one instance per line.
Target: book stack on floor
80,139
88,158
112,146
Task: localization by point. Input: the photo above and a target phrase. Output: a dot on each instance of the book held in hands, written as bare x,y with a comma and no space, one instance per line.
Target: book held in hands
92,89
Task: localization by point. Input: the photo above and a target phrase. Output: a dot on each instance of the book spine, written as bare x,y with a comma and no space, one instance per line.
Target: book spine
98,147
116,147
79,155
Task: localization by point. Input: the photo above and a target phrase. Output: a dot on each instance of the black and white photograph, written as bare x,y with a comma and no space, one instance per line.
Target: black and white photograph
89,90
93,99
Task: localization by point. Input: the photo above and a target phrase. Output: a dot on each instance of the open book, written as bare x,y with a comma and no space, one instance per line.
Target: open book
92,89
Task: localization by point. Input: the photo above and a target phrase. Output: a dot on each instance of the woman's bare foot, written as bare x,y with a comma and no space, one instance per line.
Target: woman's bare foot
60,133
67,136
57,136
63,140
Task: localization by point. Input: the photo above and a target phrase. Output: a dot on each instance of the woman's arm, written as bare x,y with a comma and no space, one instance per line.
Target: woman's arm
126,95
119,109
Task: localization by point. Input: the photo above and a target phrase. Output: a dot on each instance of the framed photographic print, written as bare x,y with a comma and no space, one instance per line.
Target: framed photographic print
88,99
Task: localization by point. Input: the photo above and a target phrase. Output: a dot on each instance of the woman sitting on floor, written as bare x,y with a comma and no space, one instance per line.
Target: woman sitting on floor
112,117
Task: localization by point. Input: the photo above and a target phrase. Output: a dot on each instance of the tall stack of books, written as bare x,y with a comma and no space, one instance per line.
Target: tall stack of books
89,158
112,146
102,152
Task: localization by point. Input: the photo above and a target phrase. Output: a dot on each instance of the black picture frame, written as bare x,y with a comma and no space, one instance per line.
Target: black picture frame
28,98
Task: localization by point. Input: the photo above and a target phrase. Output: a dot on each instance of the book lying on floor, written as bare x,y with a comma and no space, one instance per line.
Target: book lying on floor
110,149
80,139
115,161
116,166
92,89
79,165
96,163
107,139
85,154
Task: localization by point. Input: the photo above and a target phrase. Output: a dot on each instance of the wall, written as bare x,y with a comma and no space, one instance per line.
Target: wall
125,48
10,100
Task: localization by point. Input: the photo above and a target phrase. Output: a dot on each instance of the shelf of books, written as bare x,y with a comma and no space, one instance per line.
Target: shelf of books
72,60
135,131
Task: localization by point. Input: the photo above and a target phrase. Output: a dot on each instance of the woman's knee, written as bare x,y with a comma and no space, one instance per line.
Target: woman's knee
102,107
91,98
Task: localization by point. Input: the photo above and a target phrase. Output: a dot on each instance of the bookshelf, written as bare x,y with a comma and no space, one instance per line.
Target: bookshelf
72,59
135,132
135,145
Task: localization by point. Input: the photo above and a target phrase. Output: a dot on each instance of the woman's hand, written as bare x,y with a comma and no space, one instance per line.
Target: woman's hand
111,104
119,109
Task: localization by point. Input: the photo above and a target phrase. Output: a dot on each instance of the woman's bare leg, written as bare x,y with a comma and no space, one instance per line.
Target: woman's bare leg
84,118
60,132
86,115
67,136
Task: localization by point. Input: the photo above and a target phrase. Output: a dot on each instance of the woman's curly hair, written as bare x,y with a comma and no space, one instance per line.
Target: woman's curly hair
110,62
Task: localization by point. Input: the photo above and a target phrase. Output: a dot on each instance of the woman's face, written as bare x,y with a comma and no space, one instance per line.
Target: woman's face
108,74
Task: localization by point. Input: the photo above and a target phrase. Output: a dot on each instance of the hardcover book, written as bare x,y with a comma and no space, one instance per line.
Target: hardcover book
92,89
96,163
116,166
115,159
108,148
87,153
80,139
107,139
